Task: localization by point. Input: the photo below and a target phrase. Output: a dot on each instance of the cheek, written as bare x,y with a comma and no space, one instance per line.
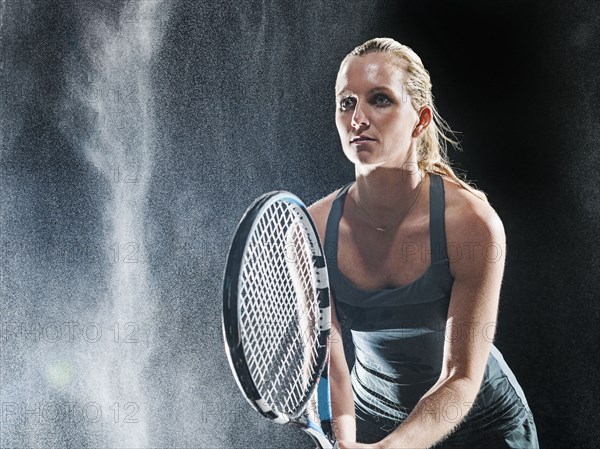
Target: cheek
402,123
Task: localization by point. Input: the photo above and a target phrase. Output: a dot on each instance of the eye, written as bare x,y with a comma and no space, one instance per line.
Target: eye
381,100
347,103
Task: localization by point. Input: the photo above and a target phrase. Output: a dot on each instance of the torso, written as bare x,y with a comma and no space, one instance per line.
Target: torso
399,335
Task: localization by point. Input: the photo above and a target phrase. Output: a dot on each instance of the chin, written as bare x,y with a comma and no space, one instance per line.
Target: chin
362,156
365,159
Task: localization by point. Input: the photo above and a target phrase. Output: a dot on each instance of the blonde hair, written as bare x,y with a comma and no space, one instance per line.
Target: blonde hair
432,153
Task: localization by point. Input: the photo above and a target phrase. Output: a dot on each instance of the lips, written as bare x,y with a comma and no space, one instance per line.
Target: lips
359,139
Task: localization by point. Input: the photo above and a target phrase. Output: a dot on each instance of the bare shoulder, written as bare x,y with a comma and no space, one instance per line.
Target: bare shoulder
467,215
472,227
319,211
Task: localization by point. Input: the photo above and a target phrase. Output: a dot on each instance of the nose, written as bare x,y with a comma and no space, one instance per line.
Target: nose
359,119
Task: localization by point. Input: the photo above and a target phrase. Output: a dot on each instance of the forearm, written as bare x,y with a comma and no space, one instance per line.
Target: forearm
344,421
434,417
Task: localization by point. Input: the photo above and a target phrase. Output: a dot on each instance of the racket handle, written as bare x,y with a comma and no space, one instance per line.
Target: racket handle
324,406
324,402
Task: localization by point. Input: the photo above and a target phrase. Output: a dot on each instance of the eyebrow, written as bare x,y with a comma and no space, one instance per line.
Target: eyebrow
347,92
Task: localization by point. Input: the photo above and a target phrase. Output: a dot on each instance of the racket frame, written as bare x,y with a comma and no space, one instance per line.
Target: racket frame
231,314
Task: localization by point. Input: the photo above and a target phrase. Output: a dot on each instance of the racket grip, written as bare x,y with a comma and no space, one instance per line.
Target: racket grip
324,404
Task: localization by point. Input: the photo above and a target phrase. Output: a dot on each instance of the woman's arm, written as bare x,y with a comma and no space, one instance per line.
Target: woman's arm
342,398
470,327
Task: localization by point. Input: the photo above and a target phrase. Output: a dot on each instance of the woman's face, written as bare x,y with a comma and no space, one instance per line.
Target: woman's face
374,115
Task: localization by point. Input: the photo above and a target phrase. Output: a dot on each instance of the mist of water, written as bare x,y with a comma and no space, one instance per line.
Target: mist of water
116,96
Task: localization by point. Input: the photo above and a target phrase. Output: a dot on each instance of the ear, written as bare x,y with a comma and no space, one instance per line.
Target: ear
425,117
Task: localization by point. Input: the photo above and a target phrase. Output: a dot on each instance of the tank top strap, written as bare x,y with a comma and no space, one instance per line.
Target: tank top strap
437,222
333,221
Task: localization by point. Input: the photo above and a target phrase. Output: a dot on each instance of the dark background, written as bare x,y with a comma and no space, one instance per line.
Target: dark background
214,103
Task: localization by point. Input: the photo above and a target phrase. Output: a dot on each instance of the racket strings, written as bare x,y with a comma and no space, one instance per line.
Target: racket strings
278,312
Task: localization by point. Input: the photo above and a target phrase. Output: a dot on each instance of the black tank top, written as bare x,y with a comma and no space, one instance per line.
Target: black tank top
399,333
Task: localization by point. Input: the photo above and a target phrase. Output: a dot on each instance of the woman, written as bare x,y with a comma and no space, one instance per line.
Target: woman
416,258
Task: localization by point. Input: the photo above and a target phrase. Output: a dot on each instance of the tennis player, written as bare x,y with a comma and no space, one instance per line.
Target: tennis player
416,259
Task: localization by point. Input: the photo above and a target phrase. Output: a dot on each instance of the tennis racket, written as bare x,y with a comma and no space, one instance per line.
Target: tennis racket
277,317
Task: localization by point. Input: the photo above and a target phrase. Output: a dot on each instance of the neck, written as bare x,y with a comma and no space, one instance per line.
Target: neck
385,191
